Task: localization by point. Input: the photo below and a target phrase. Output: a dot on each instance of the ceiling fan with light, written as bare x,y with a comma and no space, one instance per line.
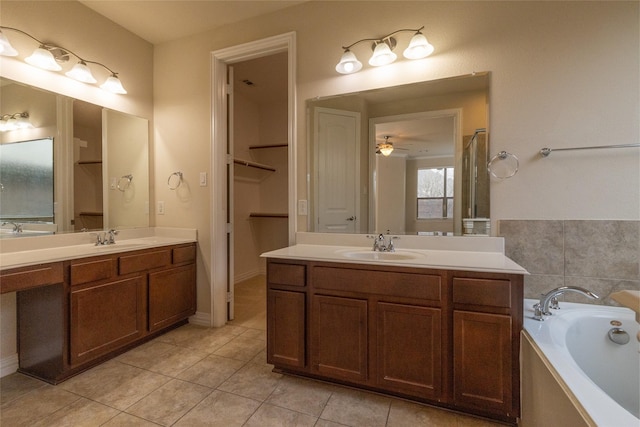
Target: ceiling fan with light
386,148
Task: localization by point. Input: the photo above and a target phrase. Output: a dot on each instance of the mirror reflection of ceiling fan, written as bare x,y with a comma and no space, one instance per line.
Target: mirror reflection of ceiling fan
386,148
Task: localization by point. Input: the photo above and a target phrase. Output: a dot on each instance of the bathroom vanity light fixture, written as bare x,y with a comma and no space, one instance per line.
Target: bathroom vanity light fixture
383,48
50,57
9,122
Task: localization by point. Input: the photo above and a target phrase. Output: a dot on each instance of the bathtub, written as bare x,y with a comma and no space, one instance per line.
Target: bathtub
601,378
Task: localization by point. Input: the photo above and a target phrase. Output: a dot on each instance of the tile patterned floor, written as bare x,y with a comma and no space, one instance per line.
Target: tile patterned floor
195,376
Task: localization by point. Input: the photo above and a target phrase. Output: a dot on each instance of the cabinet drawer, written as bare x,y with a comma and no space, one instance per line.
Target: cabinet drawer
487,292
91,271
144,261
31,277
408,285
286,274
184,254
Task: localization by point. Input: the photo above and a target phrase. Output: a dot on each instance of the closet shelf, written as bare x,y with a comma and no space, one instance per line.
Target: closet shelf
257,147
268,215
251,171
90,214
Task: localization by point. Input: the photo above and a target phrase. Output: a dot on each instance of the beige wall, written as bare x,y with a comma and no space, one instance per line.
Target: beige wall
391,187
562,74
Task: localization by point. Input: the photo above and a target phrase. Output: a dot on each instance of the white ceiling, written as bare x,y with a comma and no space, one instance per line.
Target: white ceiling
165,20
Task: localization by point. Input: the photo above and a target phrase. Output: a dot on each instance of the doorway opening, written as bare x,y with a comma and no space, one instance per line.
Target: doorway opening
260,194
253,163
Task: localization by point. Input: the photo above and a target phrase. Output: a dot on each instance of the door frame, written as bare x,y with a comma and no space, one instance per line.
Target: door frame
219,157
456,114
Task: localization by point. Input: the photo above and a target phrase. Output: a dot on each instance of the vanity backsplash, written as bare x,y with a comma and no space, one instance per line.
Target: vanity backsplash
600,255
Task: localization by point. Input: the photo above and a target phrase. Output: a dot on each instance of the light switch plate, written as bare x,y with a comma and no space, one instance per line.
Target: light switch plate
203,179
302,207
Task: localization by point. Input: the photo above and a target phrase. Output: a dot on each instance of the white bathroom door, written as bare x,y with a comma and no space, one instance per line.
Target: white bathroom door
337,137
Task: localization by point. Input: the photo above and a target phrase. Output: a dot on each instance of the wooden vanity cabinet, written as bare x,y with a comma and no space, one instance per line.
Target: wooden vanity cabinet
410,350
105,317
171,296
445,337
41,300
100,306
378,327
373,327
286,314
487,320
340,337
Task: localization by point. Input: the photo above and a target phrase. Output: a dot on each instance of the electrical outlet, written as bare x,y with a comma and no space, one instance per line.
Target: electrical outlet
160,208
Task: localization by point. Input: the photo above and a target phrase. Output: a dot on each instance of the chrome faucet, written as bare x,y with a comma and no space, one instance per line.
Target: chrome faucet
380,245
541,309
106,237
17,228
111,236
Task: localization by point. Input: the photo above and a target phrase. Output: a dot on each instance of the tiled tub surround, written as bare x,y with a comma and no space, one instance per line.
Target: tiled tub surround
600,255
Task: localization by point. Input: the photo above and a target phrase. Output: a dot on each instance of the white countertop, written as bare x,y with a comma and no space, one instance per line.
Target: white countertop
21,252
483,261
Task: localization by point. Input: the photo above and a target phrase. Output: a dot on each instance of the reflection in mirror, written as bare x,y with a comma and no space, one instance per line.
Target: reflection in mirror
94,148
126,155
26,183
404,159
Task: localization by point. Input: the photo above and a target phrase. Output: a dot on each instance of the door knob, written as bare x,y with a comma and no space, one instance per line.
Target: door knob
351,218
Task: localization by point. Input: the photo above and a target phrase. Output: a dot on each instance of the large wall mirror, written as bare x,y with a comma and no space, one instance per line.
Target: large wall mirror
408,159
99,177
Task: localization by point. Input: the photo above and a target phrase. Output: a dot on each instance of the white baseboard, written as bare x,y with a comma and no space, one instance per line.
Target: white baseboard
201,319
9,365
246,276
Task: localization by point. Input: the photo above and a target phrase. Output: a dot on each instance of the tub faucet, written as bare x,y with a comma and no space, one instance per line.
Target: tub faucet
541,309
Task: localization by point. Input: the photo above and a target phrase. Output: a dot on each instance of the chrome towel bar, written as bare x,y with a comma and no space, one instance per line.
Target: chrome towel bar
546,151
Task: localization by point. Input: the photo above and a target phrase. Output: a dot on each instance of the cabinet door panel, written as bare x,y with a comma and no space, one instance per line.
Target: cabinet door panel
339,335
409,349
286,328
105,317
483,362
172,296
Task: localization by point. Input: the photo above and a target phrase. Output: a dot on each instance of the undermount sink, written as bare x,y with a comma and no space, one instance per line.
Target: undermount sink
381,256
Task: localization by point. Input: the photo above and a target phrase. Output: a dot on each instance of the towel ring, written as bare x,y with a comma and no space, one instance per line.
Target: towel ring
503,165
176,182
128,179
